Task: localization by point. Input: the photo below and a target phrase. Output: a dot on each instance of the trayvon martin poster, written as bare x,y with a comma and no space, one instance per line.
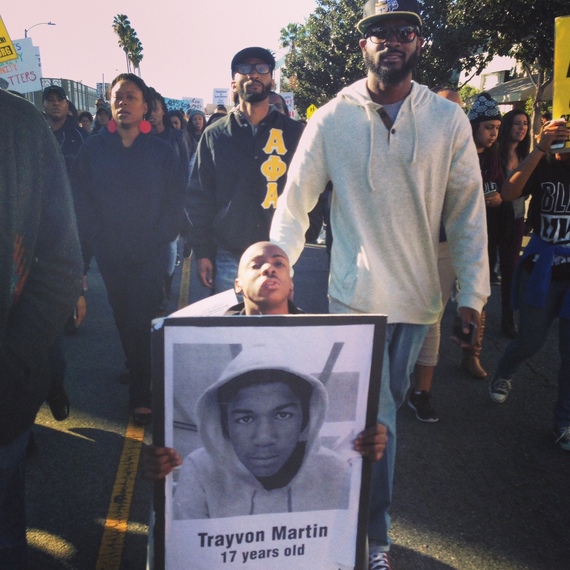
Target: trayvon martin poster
264,411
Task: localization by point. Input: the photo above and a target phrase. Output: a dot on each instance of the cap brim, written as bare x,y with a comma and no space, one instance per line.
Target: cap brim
258,52
365,23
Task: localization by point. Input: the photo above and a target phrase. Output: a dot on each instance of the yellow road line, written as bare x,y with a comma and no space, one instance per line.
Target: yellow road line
111,549
184,294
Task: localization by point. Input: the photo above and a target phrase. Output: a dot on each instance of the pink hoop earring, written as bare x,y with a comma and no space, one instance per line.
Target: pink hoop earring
112,126
145,127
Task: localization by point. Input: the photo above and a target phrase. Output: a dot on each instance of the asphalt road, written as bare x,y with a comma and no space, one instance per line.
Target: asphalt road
484,488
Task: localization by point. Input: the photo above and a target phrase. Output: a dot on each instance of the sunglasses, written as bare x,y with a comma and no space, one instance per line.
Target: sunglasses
402,34
246,68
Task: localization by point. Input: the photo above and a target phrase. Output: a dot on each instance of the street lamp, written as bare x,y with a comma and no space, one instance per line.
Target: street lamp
40,24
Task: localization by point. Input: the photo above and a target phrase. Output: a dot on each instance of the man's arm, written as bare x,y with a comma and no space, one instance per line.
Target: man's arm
306,180
54,280
465,223
47,263
201,211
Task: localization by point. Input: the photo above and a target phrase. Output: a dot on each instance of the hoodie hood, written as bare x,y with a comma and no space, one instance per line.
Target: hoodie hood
257,357
357,94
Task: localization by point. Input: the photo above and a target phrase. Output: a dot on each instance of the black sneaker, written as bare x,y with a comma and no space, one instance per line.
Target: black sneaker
421,405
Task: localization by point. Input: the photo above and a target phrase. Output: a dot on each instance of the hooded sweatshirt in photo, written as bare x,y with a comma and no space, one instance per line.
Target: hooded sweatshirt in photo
214,483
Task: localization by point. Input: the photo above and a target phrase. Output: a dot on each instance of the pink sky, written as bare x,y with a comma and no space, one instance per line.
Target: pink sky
188,46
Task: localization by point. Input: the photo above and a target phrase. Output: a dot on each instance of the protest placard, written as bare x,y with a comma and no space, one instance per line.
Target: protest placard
265,411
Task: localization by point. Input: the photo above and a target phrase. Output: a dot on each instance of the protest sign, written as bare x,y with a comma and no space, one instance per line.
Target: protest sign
23,74
265,411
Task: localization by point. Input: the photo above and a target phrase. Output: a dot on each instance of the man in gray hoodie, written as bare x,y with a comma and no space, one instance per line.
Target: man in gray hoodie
415,165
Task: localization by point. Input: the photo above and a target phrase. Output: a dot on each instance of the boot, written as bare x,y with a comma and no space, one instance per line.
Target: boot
470,361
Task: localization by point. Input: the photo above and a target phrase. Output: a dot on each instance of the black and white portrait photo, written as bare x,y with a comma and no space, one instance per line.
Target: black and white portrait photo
264,412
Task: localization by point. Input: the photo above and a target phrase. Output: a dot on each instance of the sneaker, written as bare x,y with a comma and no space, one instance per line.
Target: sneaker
499,389
378,561
562,438
420,403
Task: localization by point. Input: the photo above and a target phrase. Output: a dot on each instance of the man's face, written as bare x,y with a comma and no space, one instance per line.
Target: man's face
264,278
486,133
55,107
252,87
264,425
392,61
278,103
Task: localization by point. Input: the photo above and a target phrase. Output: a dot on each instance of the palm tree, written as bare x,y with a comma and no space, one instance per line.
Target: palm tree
122,27
290,35
135,53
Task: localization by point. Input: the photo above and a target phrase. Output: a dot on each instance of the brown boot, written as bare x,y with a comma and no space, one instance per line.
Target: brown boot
470,361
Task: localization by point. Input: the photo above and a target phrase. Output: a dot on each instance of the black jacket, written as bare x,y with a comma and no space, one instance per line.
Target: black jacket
40,260
70,138
236,180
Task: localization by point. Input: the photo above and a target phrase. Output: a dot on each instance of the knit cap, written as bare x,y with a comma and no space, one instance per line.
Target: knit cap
484,108
192,112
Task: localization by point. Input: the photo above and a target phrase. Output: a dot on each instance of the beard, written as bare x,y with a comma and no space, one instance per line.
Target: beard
255,97
387,75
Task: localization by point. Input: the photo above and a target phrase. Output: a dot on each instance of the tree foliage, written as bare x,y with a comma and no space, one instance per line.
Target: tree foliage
129,42
326,56
460,34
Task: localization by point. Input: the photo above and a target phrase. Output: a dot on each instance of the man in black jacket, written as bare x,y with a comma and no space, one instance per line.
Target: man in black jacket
64,127
240,171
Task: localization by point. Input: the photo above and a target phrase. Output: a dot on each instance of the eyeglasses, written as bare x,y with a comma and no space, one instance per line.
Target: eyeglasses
246,68
402,34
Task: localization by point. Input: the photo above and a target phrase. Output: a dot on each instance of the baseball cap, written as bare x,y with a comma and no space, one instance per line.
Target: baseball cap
258,52
54,89
382,10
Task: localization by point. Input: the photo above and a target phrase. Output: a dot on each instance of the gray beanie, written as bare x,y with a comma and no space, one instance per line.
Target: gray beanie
484,108
192,112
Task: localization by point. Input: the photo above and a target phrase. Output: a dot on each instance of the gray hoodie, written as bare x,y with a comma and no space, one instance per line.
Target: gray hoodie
215,483
391,190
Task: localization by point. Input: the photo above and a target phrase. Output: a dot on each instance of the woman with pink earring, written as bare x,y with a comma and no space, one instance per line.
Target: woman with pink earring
129,197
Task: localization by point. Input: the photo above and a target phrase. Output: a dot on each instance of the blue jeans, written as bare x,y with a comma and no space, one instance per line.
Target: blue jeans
12,503
226,270
401,350
534,323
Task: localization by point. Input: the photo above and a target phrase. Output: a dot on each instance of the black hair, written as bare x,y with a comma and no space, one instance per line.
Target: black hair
134,79
284,103
214,117
155,98
85,114
300,387
178,113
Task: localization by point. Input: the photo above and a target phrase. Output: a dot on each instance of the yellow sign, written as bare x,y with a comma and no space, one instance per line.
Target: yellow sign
561,97
7,51
310,110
